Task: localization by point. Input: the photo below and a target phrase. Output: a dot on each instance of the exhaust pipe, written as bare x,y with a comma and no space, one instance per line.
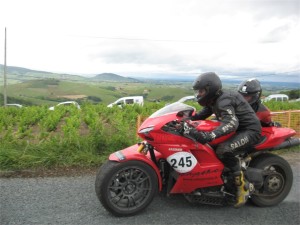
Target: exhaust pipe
291,142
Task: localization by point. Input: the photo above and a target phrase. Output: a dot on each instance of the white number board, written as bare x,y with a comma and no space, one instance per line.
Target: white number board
182,162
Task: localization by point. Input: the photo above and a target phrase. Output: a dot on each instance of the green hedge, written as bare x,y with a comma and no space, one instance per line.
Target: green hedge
34,137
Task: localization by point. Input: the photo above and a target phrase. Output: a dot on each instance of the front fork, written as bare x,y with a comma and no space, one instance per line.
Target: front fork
162,164
144,148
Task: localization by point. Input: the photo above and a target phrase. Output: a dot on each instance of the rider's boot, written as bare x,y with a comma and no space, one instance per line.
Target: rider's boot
242,189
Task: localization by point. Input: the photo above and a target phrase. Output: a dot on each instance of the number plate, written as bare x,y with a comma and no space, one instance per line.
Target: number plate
182,162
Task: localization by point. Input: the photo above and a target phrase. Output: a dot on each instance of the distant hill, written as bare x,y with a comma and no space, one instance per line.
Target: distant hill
21,70
19,74
32,87
113,78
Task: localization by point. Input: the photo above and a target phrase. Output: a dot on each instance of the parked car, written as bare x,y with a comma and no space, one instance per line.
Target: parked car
128,101
277,97
14,105
67,103
295,100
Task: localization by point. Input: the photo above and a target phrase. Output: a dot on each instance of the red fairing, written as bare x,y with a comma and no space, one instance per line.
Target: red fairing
273,136
202,176
131,153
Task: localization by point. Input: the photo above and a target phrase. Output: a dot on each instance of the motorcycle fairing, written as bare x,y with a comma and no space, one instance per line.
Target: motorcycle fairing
274,136
201,176
207,171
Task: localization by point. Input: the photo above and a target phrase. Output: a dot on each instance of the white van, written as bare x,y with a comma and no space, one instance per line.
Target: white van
277,97
128,101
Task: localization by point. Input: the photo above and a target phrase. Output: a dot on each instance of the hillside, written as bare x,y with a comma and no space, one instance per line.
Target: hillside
113,78
32,87
51,91
19,74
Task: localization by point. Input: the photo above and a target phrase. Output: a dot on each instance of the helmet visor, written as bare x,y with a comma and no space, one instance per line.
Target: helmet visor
251,98
200,93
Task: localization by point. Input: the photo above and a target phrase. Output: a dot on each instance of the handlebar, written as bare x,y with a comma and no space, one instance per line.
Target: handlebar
179,126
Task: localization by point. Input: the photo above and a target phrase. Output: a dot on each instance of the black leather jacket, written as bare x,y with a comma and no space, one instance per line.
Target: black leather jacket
234,113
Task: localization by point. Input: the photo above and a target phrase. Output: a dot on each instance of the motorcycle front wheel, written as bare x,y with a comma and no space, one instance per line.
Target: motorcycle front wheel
278,180
126,188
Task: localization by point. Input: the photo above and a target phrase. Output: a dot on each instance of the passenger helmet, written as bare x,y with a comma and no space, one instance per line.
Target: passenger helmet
251,90
211,83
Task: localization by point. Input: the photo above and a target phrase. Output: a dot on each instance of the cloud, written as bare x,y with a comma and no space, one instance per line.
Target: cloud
266,9
277,34
134,36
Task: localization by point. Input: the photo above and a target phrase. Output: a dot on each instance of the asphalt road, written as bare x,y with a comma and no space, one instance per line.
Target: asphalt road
72,200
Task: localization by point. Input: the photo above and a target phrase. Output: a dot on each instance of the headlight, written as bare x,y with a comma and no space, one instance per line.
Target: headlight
146,130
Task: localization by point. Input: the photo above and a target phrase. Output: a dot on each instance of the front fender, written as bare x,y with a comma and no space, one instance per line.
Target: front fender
131,153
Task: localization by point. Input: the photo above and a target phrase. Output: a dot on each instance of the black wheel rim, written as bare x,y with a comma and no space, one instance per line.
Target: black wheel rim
129,188
275,181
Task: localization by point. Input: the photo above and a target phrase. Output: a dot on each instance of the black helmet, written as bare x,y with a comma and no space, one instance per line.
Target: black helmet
251,90
211,83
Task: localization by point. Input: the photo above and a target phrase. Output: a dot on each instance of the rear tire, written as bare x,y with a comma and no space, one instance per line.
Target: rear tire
126,188
277,184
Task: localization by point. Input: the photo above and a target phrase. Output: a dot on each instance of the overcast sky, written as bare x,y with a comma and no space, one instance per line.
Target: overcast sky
148,37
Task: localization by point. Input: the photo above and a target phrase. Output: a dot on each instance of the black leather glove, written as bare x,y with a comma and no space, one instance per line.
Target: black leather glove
193,118
275,124
201,136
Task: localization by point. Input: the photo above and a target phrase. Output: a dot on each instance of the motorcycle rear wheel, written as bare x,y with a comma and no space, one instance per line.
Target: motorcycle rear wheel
277,184
126,188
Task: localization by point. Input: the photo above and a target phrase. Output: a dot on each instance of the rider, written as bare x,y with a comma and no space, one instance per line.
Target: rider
235,115
251,90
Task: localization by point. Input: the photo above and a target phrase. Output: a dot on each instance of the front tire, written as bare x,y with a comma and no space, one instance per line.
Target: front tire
126,188
278,180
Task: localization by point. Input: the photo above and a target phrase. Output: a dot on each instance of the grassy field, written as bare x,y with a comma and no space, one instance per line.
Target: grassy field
46,92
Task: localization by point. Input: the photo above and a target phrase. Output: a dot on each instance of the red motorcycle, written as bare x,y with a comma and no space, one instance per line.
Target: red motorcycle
172,162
